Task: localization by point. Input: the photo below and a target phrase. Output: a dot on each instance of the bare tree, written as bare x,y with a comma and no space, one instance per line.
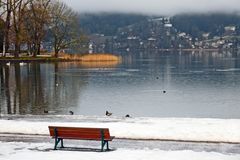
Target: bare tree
1,34
27,21
36,21
18,25
64,27
6,6
12,13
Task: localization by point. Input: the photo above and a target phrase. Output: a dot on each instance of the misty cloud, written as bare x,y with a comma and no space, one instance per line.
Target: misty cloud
160,7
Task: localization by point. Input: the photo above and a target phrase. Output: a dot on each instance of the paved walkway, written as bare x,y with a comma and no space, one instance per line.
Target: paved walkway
130,144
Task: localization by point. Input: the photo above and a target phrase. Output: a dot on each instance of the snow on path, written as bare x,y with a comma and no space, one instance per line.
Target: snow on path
184,129
37,151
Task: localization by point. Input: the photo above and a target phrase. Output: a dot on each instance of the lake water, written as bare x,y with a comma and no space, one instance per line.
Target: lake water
205,85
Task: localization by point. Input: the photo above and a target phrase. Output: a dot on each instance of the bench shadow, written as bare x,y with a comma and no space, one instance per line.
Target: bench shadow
83,149
78,149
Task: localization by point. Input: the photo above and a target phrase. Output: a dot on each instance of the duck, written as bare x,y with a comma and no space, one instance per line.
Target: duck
45,111
108,113
71,112
8,64
48,112
127,116
22,63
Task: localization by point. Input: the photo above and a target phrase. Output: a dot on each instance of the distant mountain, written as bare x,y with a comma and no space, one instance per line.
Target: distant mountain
106,23
110,32
193,24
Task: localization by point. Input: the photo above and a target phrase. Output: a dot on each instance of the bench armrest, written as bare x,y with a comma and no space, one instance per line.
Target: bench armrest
112,137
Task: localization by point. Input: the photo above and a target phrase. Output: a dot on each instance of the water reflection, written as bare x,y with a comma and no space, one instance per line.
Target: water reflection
101,64
203,84
33,88
21,88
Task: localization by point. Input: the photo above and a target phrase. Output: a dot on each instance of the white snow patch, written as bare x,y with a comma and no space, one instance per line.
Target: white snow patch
37,151
184,129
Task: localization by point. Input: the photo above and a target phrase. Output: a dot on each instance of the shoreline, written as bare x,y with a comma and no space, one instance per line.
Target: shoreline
95,57
64,58
31,59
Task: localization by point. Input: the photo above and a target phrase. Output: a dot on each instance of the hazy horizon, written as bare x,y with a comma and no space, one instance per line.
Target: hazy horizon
155,7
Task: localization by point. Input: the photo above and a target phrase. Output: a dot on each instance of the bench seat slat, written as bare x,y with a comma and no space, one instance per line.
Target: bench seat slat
89,133
83,137
76,128
69,134
77,138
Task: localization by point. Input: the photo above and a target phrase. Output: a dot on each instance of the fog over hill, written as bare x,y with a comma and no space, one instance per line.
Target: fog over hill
155,7
193,24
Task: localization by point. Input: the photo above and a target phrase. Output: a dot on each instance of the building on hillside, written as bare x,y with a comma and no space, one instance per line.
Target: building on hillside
229,30
100,43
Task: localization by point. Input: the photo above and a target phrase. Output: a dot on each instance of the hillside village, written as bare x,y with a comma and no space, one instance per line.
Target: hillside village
161,34
131,33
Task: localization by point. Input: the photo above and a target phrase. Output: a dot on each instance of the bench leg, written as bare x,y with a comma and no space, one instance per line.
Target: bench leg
55,146
62,143
57,140
107,146
103,144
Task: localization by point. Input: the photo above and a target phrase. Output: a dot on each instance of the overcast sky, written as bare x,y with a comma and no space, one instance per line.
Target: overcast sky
159,7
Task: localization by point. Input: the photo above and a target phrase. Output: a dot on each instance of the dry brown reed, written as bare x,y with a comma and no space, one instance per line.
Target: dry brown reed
91,57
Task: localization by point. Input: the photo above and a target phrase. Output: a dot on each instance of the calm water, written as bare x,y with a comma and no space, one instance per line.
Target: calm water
196,84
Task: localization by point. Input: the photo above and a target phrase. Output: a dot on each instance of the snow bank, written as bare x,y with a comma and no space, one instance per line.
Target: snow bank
184,129
37,151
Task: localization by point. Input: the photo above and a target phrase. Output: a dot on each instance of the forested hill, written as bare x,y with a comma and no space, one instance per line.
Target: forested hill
212,23
107,23
195,25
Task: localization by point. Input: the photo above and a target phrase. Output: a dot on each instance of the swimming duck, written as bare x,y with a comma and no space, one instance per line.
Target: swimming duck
49,112
45,111
108,113
71,112
127,116
22,63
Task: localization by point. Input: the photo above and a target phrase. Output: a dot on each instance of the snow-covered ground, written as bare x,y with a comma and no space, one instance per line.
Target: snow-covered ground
178,129
27,137
40,151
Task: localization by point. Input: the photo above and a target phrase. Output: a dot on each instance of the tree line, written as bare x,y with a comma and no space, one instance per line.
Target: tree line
108,23
30,22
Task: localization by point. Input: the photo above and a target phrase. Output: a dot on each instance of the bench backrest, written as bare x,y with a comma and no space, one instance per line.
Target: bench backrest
80,133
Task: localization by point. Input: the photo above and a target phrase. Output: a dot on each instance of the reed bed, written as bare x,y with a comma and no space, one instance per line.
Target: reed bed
91,57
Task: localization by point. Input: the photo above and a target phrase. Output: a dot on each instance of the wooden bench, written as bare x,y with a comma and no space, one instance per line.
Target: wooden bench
97,134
